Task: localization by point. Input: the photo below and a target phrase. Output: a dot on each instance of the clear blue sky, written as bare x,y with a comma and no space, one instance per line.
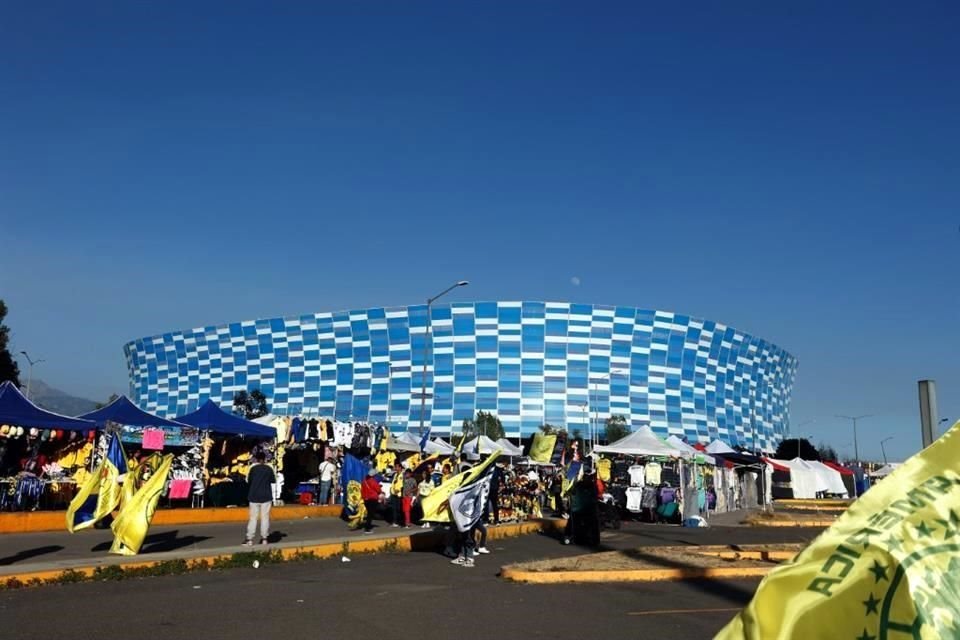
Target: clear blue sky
792,171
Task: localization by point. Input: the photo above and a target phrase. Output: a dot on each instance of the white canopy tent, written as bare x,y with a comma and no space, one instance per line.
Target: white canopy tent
405,441
437,445
831,477
486,446
885,470
719,446
803,479
642,442
509,449
680,445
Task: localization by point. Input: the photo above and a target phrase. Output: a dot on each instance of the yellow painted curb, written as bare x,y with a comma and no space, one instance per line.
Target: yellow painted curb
420,541
790,523
634,575
816,507
821,501
37,521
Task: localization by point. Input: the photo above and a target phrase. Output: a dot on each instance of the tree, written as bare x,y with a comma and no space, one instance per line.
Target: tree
616,428
826,452
101,405
9,370
484,423
796,447
250,405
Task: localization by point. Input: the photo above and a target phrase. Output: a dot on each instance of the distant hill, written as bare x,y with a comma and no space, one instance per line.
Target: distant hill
46,397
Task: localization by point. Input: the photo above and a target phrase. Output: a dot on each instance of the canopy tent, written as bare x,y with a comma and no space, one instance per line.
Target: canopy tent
831,477
847,475
509,449
18,411
210,417
803,480
642,442
404,441
885,470
696,454
718,446
438,445
482,445
123,411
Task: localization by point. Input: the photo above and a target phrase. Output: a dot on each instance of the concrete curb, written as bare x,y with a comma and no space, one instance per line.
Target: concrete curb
660,574
39,521
791,523
812,501
635,575
414,541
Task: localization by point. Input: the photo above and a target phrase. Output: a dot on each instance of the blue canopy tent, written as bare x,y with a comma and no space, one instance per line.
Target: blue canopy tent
18,411
124,412
210,417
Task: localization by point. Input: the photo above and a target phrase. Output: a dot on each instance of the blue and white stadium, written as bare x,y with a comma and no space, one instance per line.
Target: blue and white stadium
530,363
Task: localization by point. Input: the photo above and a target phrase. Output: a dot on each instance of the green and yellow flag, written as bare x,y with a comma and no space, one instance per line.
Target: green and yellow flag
132,523
541,449
436,507
888,569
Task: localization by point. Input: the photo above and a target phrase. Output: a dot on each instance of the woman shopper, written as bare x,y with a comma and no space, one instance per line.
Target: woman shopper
409,492
424,489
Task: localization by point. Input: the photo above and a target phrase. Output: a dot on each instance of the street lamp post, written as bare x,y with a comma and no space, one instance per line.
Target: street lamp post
595,427
30,370
426,349
856,449
883,450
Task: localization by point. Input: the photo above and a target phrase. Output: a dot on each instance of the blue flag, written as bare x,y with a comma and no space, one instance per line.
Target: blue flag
424,439
353,469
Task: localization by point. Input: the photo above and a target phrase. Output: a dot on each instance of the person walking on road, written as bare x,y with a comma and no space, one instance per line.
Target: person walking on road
260,497
370,494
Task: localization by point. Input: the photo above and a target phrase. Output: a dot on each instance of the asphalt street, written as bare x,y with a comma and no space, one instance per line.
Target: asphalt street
381,596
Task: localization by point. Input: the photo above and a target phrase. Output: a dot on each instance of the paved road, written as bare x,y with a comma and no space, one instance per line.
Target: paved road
374,596
391,594
59,549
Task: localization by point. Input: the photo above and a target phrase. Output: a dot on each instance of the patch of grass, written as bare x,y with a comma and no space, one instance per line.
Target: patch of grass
303,556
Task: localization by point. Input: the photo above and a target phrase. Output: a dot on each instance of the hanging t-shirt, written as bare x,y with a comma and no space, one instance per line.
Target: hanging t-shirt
634,498
652,473
637,476
603,469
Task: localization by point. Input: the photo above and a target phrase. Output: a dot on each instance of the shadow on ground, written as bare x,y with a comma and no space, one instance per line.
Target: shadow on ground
30,553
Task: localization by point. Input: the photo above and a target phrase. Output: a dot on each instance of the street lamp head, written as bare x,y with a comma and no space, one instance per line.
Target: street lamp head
463,283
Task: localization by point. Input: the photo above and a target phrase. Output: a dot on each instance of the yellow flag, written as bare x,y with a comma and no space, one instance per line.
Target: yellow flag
541,449
133,521
435,507
889,567
82,509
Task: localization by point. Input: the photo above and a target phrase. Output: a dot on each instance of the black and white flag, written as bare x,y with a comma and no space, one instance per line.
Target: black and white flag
467,503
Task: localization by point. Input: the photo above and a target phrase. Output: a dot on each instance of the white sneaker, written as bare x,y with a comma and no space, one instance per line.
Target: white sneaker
395,525
425,526
468,563
483,550
458,560
248,543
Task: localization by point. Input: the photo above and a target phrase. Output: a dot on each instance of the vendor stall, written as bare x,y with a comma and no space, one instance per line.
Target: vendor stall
31,443
227,449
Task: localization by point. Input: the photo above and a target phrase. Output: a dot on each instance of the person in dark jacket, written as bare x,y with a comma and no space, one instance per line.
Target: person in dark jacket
260,479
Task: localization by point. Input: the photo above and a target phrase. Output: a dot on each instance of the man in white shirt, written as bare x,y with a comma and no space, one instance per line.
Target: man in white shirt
326,470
